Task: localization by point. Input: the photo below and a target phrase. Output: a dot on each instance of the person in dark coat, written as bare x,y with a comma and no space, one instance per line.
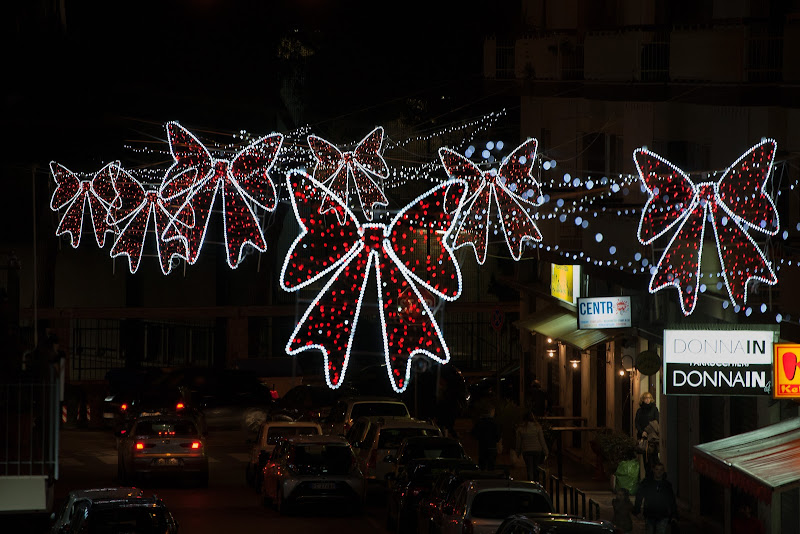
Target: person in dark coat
537,399
656,499
647,412
487,432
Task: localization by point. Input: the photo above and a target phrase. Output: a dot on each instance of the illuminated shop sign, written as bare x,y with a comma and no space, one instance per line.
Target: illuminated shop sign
718,362
604,312
787,371
565,282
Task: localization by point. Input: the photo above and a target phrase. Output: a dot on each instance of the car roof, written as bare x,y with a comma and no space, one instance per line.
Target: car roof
561,519
495,483
117,492
283,424
396,421
322,438
433,440
130,502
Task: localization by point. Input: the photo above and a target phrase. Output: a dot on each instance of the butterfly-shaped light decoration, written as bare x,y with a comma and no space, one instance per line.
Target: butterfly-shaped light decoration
406,257
76,194
135,208
335,168
511,191
733,204
241,182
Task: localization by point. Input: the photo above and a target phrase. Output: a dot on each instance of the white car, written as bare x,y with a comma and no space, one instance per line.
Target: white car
270,435
480,506
62,519
347,410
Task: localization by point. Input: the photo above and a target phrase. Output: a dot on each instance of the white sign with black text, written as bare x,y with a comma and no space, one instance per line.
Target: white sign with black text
604,312
718,362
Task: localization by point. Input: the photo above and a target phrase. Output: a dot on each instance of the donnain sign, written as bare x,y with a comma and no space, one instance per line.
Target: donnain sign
718,362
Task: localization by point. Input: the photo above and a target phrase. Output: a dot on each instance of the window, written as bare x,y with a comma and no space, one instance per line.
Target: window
326,458
166,428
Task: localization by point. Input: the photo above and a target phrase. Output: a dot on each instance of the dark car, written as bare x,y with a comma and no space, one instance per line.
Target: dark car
124,387
228,398
414,486
309,402
429,514
555,524
422,447
142,515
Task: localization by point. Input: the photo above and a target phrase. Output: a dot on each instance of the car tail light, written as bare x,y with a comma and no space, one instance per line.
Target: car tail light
141,445
274,394
123,407
467,527
180,406
192,445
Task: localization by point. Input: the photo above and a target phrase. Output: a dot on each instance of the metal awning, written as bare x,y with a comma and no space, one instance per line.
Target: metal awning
761,462
559,323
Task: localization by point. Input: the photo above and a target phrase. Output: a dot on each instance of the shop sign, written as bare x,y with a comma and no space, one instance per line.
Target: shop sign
565,282
718,362
604,312
786,371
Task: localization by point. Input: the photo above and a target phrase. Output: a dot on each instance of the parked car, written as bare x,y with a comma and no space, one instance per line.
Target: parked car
142,515
124,387
555,524
269,435
480,506
228,398
376,437
347,410
422,447
62,519
414,487
429,515
309,402
163,445
313,470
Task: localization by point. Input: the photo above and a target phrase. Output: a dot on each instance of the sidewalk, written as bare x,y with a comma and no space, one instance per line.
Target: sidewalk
576,473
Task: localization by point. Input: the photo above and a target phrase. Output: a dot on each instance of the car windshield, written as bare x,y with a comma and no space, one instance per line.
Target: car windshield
501,504
391,438
379,408
276,433
334,459
166,428
139,519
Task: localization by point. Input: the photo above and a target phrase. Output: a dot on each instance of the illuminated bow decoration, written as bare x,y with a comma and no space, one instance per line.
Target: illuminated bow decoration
76,194
735,203
242,182
405,256
133,212
512,191
334,169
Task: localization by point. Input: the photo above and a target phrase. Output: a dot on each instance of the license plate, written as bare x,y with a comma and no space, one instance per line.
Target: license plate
168,461
323,485
108,416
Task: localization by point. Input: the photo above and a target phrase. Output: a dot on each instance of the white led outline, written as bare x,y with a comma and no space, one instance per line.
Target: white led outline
199,184
471,199
347,259
150,206
685,214
343,165
72,203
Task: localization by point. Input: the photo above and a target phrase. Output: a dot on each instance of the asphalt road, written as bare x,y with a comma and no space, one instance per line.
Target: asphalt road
88,459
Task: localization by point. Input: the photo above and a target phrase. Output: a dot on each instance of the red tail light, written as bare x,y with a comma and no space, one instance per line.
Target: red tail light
196,445
467,527
180,406
123,407
141,445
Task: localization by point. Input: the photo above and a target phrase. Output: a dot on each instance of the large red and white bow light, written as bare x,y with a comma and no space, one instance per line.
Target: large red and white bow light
734,204
407,257
134,210
77,195
511,191
336,169
242,183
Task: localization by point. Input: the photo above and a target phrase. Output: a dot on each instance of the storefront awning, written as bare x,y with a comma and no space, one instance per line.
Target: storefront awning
559,323
761,462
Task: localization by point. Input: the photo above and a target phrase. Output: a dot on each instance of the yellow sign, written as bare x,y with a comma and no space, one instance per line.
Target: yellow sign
564,282
786,371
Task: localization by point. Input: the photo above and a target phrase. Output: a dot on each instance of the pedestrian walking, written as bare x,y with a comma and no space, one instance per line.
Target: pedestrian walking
647,412
487,432
656,499
531,445
623,508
